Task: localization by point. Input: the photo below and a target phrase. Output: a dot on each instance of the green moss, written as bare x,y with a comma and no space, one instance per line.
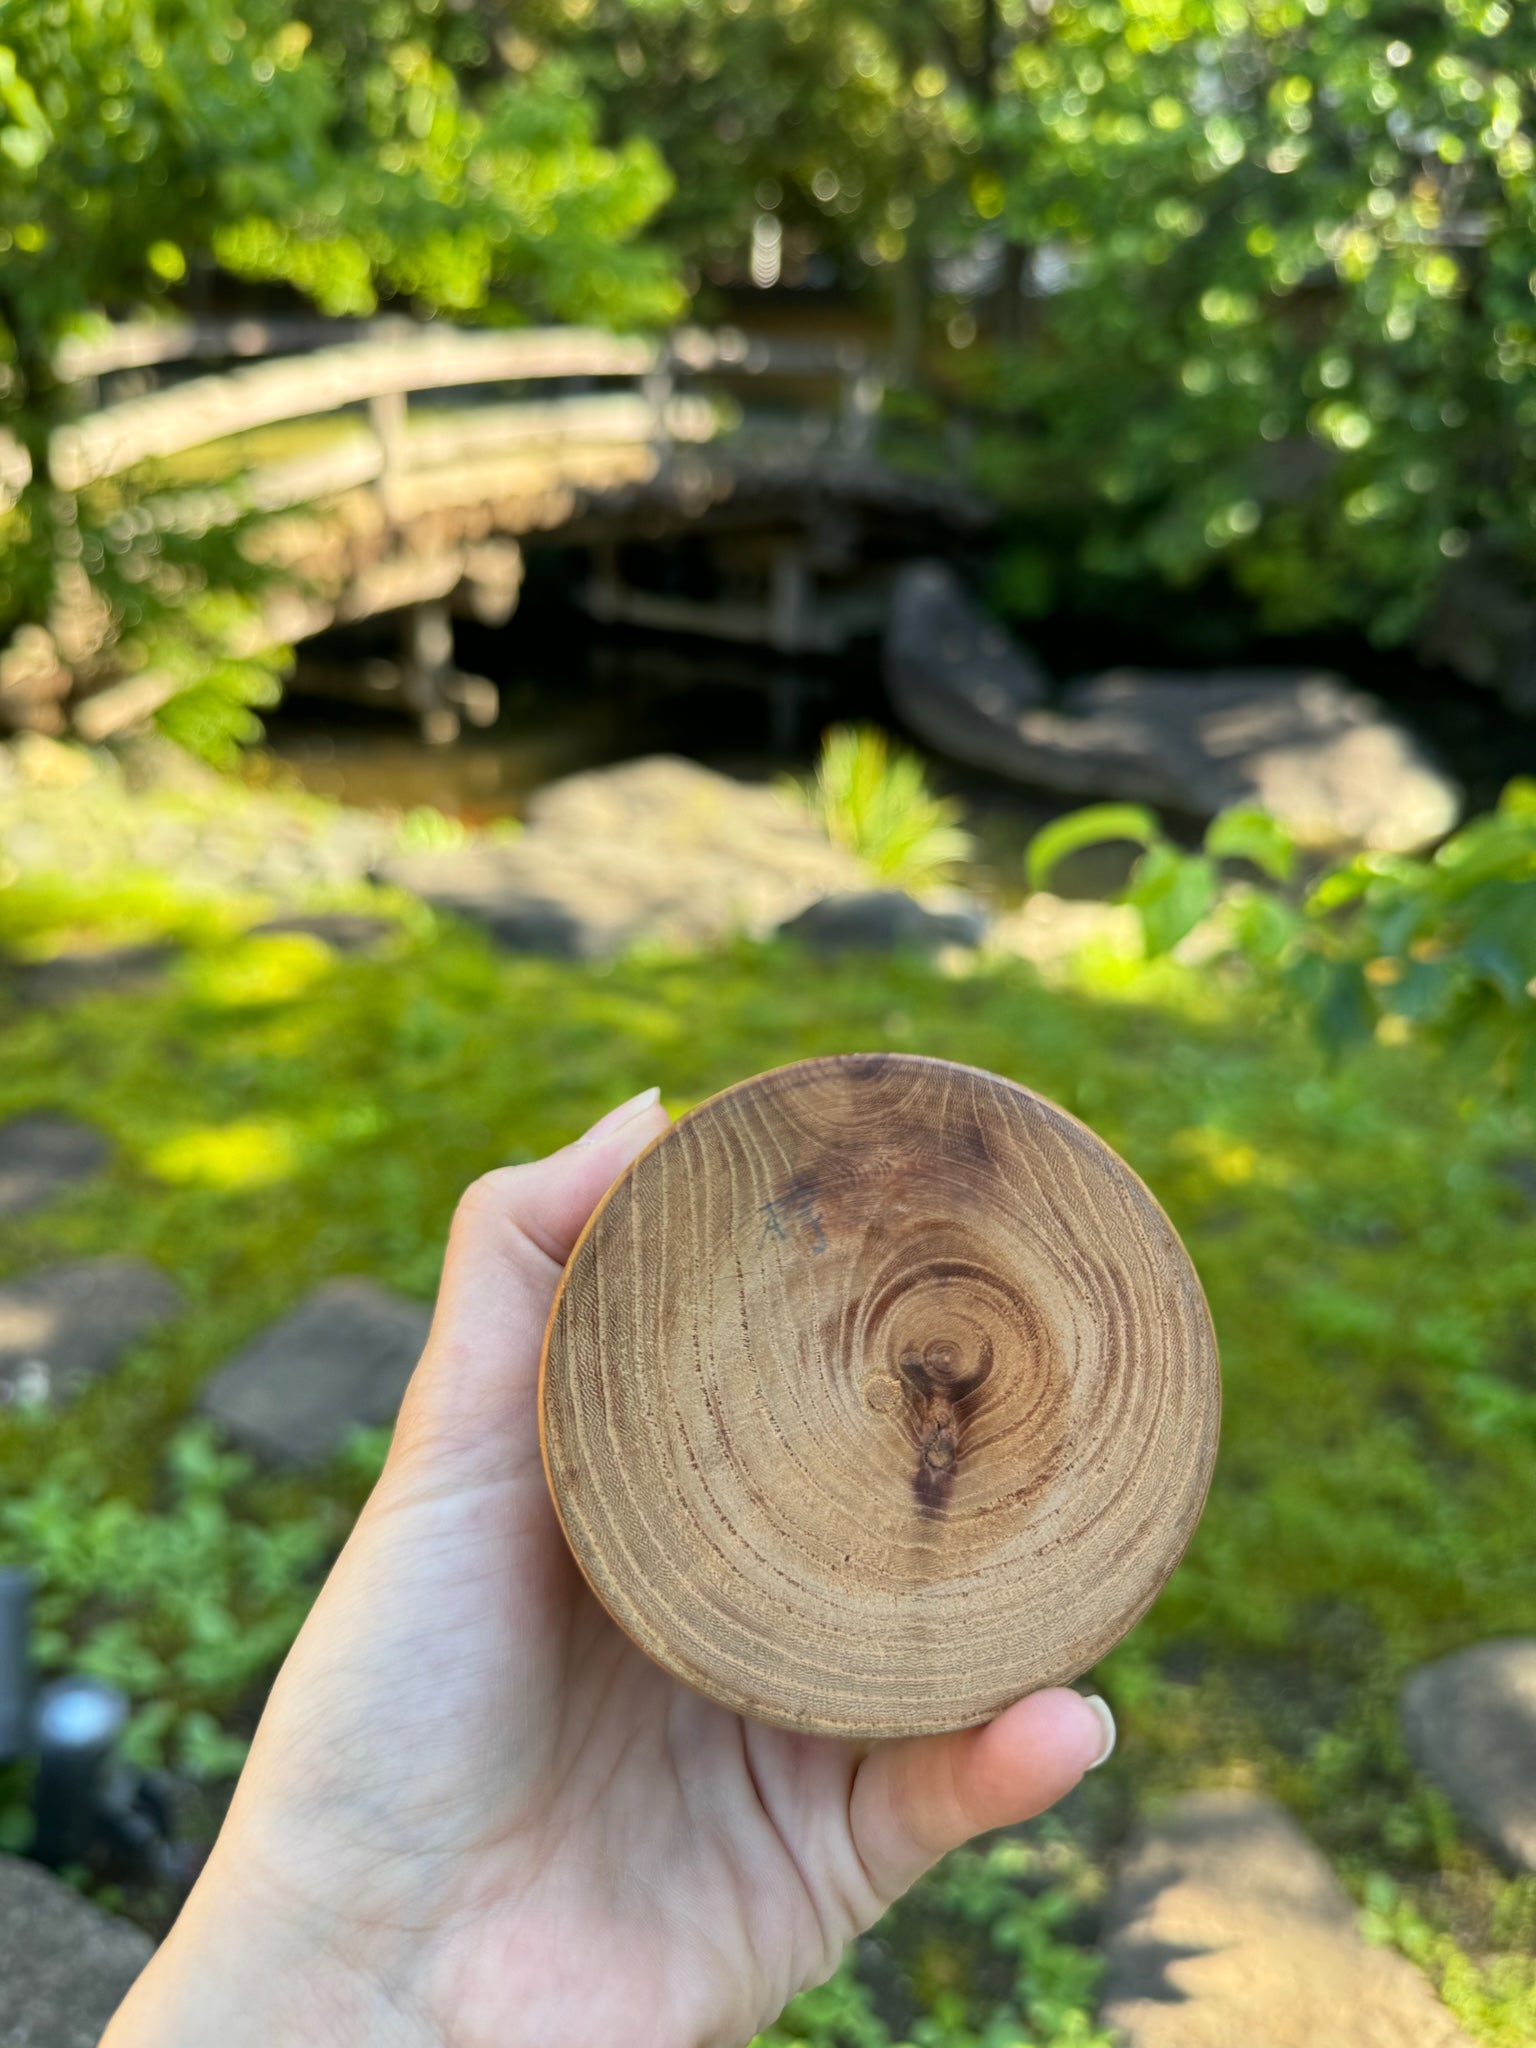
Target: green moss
281,1114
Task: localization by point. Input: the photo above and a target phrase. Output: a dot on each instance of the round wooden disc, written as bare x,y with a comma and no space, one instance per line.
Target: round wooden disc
878,1393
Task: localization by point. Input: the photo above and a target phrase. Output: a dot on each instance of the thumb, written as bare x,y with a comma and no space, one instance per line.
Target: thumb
471,1402
914,1800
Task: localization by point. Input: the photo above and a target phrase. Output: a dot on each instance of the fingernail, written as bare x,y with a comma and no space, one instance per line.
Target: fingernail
1106,1721
616,1119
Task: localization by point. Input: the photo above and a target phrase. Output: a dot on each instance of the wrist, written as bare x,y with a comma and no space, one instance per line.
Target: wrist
241,1970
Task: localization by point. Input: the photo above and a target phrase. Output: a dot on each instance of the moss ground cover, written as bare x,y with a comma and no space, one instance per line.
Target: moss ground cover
1366,1232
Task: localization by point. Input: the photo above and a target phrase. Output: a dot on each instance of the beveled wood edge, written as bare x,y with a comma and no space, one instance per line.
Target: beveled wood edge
867,1731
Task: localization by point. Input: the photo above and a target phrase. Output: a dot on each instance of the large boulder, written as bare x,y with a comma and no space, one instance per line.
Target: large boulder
658,848
954,675
1470,1723
1323,757
65,1965
1226,1929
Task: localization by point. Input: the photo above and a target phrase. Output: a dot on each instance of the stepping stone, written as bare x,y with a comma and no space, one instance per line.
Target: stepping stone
344,931
70,1323
41,1155
1470,1724
656,849
881,921
126,970
68,1965
1227,1929
340,1361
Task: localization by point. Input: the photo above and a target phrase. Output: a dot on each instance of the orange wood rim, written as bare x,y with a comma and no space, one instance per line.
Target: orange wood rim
878,1392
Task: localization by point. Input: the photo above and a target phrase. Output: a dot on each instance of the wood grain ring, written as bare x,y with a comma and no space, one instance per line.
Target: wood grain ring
876,1394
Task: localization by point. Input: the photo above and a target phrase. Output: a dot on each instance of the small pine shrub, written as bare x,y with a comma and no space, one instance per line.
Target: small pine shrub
874,800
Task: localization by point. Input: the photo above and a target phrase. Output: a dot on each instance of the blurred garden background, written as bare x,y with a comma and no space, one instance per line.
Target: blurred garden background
556,547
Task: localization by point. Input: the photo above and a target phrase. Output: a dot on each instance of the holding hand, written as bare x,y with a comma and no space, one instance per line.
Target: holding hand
475,1814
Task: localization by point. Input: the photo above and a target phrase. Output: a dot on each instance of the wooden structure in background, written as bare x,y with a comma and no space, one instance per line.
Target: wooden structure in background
443,450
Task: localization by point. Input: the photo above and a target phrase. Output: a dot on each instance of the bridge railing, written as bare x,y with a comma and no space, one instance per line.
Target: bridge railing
284,380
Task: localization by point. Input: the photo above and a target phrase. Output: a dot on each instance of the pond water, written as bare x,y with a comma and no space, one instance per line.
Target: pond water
575,696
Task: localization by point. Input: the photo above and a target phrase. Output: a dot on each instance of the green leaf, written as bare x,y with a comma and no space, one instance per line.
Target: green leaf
1264,927
1248,833
1170,892
1344,1013
1091,827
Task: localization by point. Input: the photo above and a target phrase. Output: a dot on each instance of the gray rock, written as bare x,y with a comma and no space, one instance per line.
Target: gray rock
1227,1929
72,1322
68,976
344,931
1324,758
881,921
658,848
953,674
339,1361
66,1964
43,1154
1470,1724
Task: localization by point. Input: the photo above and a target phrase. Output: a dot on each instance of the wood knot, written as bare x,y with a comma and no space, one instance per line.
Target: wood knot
941,1384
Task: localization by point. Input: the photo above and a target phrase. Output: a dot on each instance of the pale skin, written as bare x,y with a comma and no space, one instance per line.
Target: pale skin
474,1815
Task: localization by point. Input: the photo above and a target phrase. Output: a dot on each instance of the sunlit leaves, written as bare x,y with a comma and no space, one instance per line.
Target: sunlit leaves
357,156
1378,943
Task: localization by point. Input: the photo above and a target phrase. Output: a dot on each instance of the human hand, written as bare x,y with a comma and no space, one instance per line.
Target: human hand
475,1814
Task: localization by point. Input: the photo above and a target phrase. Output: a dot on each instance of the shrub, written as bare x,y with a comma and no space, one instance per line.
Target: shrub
1383,944
874,800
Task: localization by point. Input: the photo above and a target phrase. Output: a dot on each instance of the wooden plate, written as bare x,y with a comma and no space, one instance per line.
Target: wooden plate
878,1393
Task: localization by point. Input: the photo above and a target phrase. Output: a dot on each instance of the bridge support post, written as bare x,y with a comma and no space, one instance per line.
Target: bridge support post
657,387
791,597
863,395
387,416
427,647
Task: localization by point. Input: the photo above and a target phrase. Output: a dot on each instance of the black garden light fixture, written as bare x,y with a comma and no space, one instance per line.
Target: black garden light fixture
87,1806
15,1672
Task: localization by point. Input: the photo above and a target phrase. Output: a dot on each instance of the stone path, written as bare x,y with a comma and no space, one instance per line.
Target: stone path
340,1361
1470,1724
43,1154
64,1964
658,848
69,1323
67,976
344,931
1227,1929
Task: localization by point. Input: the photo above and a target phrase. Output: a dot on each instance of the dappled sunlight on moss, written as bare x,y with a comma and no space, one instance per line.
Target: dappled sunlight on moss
251,1154
260,971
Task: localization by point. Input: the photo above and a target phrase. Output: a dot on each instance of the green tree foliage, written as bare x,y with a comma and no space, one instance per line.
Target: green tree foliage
148,147
1260,269
1295,330
853,124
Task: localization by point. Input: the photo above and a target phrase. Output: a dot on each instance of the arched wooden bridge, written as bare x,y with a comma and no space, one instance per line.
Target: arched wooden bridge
404,468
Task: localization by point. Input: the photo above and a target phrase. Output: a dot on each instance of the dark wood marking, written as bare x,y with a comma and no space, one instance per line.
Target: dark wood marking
863,1345
941,1382
794,1213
